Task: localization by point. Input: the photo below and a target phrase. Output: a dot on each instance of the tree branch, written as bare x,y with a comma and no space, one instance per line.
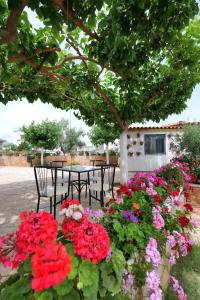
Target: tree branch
9,35
70,14
112,107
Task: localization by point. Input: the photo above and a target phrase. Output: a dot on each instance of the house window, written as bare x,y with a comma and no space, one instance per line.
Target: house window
154,143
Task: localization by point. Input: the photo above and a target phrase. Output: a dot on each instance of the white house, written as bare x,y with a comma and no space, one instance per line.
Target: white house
149,147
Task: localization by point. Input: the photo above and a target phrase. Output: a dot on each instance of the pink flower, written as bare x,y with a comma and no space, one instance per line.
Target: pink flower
119,200
151,192
152,254
158,220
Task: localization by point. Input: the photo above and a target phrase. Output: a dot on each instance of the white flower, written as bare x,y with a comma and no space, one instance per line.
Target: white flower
62,212
77,215
69,212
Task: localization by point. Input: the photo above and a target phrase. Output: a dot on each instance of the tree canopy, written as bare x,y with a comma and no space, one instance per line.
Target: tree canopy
188,142
44,135
99,135
114,62
70,138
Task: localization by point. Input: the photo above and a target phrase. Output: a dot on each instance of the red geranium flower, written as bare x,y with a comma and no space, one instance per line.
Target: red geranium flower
188,206
51,264
35,229
69,226
175,193
124,190
187,195
91,241
136,205
157,199
193,178
184,221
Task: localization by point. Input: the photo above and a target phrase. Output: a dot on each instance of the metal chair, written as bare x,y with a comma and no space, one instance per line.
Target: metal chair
45,188
101,186
59,164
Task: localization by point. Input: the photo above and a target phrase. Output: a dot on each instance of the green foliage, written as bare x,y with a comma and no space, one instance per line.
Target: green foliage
189,142
71,138
141,58
111,273
89,280
44,135
103,135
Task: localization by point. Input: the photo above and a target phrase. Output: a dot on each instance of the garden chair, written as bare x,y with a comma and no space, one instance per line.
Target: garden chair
99,186
47,189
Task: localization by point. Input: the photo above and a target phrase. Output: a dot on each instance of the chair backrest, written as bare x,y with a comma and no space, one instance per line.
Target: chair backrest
43,177
108,174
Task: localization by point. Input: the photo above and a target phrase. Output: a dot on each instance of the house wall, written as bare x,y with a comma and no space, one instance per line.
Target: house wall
138,160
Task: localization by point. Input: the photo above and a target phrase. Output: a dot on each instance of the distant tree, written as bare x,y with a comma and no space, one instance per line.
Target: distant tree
103,135
44,136
70,138
24,146
189,142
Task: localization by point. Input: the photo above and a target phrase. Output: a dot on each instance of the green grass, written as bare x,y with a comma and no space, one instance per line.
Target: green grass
187,271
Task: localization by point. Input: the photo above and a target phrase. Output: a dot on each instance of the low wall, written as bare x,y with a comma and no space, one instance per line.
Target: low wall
195,194
14,161
21,161
80,160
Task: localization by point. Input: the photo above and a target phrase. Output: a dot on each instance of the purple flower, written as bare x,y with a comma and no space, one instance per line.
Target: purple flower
94,215
177,288
127,214
127,281
152,282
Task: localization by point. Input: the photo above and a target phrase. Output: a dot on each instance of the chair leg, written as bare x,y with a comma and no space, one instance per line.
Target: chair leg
90,198
61,198
38,205
86,191
72,192
54,211
101,197
51,205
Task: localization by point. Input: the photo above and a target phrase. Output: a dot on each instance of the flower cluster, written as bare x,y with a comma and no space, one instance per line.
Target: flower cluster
178,245
153,282
91,241
158,220
127,214
127,281
152,253
50,264
177,288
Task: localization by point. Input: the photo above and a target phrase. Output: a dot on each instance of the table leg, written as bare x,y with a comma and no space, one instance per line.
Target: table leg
79,187
55,186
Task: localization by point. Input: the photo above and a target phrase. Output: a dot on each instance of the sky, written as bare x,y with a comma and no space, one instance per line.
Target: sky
15,114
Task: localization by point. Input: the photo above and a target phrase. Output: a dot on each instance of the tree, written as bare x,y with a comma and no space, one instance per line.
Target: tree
71,138
115,62
189,142
103,135
44,135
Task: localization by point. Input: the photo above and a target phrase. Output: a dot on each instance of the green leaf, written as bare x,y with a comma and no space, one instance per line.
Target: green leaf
44,296
74,270
89,276
73,295
64,287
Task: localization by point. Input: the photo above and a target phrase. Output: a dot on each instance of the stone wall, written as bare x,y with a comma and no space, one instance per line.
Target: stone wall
195,194
80,160
21,161
14,161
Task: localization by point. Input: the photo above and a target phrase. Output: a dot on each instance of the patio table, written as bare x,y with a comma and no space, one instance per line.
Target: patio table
77,169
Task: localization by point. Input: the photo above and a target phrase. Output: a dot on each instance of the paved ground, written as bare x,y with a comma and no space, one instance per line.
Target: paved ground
18,193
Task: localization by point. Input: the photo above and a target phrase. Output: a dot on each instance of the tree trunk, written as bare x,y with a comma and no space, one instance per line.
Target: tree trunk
42,157
107,153
123,158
